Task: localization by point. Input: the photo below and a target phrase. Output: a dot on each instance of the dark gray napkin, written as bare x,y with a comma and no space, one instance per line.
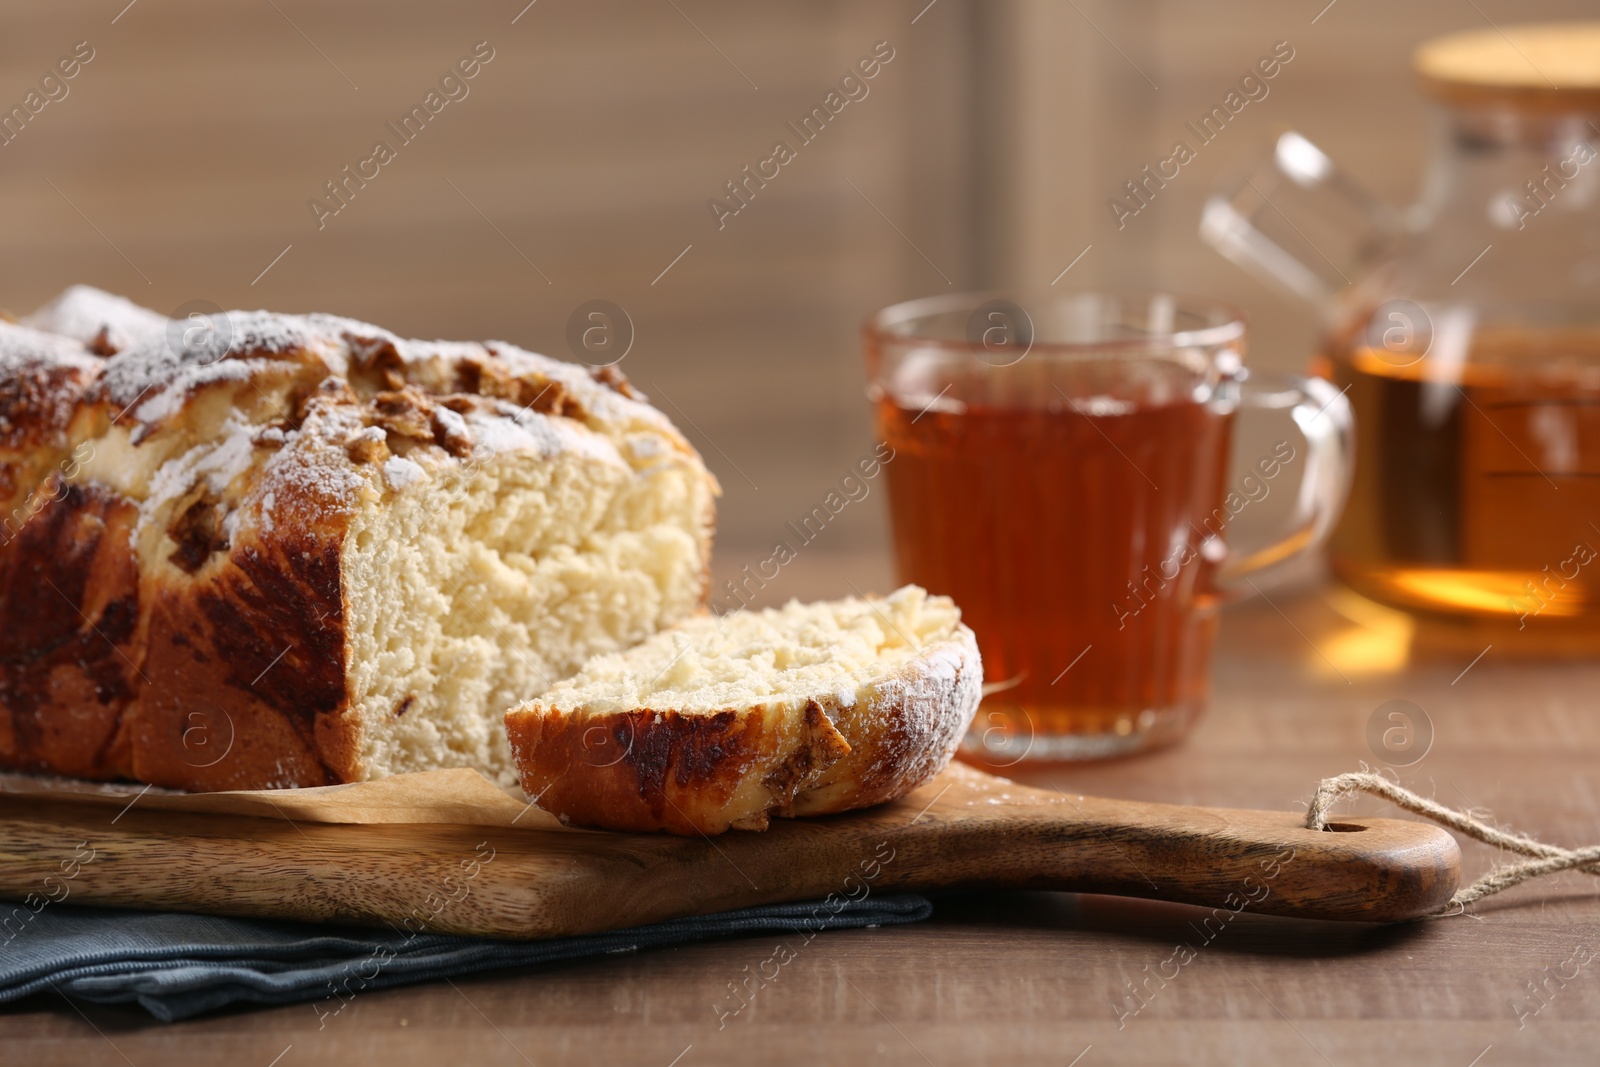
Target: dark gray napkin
175,966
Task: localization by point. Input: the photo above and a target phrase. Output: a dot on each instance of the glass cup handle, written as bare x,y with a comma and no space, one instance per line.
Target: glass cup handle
1326,451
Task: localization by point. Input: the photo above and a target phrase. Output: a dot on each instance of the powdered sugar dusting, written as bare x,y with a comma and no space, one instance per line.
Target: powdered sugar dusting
309,429
92,316
313,468
602,404
454,425
402,473
215,464
235,347
22,349
507,428
166,403
41,378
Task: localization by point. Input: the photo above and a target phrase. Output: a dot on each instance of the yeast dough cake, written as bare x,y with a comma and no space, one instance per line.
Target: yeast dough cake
260,550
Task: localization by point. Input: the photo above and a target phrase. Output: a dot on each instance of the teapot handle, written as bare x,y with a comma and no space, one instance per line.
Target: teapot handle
1320,415
1300,222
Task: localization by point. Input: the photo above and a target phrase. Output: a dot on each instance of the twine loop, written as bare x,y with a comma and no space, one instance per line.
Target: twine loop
1547,859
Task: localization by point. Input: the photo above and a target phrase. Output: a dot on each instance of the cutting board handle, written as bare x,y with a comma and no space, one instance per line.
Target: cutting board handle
984,834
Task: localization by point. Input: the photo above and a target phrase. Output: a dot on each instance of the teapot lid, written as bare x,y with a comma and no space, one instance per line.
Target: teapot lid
1546,67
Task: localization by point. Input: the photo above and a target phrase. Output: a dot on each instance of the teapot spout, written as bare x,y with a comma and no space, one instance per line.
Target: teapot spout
1299,222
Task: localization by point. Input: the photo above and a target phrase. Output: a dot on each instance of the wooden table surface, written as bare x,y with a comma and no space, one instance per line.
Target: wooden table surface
1013,978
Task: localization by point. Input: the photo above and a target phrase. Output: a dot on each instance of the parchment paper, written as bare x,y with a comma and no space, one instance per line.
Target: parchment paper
461,796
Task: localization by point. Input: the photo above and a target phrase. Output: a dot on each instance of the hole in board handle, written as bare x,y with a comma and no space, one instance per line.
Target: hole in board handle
1344,827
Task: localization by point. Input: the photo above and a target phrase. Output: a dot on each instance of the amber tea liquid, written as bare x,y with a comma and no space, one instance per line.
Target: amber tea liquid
1477,488
1072,533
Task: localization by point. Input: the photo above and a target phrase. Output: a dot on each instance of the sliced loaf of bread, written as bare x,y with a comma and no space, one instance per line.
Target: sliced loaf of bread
726,721
257,551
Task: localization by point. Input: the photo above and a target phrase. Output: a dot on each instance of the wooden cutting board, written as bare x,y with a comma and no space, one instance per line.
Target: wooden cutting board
965,830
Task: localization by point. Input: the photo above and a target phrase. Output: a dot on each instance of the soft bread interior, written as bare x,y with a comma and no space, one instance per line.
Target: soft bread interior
786,655
471,588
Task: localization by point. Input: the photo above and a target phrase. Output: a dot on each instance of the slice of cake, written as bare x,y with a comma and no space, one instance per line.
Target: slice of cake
726,721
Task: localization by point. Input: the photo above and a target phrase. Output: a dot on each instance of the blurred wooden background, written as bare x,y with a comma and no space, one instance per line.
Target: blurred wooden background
579,165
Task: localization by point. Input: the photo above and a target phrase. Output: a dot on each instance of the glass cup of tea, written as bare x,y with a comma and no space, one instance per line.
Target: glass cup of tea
1061,468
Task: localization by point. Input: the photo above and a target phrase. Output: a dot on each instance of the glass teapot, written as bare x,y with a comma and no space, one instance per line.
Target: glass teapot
1466,332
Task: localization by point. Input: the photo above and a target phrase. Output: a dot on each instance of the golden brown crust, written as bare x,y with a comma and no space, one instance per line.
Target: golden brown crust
36,402
245,670
69,647
906,733
650,769
224,671
685,773
68,574
42,379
